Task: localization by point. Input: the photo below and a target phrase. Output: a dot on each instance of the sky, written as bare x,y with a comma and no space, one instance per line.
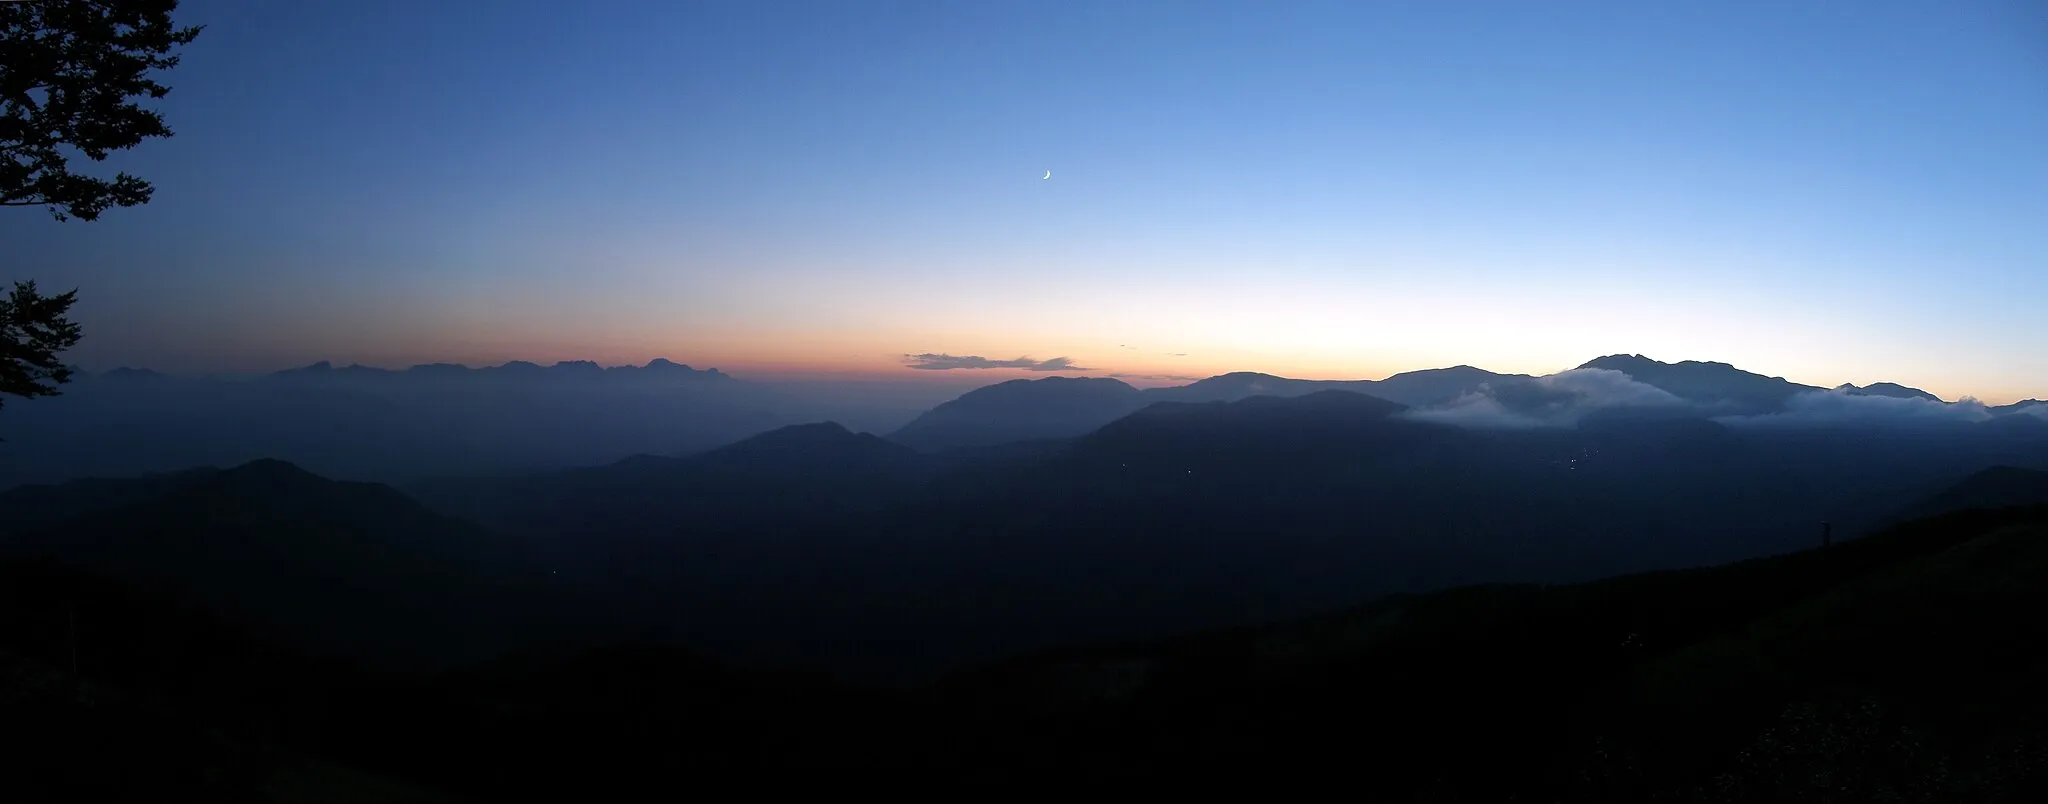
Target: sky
1829,191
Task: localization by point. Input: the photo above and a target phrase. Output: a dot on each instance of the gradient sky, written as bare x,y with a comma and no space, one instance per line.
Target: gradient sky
1828,191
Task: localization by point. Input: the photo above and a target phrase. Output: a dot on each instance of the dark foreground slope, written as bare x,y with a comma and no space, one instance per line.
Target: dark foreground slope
113,692
353,569
1901,666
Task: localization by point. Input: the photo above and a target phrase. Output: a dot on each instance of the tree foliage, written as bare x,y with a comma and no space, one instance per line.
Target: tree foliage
71,72
33,329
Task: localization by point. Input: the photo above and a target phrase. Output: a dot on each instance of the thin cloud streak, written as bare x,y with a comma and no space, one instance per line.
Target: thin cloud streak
929,361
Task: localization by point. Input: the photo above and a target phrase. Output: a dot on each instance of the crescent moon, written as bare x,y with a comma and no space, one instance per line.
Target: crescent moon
1048,174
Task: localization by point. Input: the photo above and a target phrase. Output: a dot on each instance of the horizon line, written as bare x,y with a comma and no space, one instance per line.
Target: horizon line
926,376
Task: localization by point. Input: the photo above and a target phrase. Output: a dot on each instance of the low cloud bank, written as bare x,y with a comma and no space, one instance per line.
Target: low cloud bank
1565,398
1837,409
1556,400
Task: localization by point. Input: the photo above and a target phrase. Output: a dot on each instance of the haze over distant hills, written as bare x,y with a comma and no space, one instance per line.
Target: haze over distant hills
1062,407
657,371
1179,515
432,420
366,423
1069,507
1210,541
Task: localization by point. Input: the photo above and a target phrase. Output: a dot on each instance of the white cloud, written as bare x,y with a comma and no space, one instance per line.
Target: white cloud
1555,400
1834,409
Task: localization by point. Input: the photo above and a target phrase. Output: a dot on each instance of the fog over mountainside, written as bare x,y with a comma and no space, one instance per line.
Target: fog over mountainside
1239,507
1017,518
363,423
441,420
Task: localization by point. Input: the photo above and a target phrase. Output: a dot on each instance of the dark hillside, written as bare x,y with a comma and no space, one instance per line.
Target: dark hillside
353,569
1523,679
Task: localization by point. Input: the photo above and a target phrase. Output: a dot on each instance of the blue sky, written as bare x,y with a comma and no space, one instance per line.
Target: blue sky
1828,191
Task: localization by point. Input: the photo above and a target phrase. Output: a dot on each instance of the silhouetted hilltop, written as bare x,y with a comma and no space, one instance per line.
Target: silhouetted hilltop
125,374
1996,487
1716,384
1019,410
356,569
800,472
516,367
1425,387
1237,385
1323,413
812,443
365,423
1287,435
1063,407
35,507
1890,389
1437,386
2020,428
2033,407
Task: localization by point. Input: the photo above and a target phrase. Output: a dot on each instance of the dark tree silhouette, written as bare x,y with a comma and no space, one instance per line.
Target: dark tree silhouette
33,329
70,74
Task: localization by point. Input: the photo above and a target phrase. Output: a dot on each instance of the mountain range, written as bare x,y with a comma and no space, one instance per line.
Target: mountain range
353,569
1618,582
1229,505
658,370
1061,407
1069,508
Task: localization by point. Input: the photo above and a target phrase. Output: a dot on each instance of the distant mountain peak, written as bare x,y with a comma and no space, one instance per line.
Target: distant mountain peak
812,429
1332,400
1021,410
814,440
796,436
1622,359
1239,378
1706,382
269,469
1047,385
1890,389
126,373
667,367
1236,383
